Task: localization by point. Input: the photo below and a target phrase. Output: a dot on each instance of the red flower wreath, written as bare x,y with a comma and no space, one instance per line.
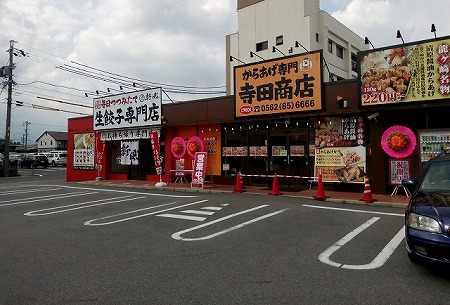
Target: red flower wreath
398,141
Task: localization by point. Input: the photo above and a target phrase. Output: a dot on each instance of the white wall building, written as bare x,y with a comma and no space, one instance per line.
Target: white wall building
52,140
292,27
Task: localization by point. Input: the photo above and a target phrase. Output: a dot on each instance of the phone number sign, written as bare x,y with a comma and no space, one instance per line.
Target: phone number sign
286,85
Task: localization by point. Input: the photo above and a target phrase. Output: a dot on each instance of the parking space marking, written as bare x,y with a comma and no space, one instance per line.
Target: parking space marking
184,217
28,191
130,192
377,262
43,198
92,222
177,235
197,212
213,208
352,210
82,205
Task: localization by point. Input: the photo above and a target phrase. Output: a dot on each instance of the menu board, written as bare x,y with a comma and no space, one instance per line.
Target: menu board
258,151
340,152
297,150
241,151
84,147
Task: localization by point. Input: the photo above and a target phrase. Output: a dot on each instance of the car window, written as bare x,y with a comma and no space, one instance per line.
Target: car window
437,177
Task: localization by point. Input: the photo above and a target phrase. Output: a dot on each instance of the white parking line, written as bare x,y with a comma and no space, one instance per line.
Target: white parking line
212,208
43,198
177,235
377,262
91,222
82,205
129,192
28,191
197,212
351,210
185,217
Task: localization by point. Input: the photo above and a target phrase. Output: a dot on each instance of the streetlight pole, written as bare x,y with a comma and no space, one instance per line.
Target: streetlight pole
8,110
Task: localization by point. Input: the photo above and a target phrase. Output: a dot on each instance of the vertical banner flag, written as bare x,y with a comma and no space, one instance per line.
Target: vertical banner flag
129,153
199,168
154,139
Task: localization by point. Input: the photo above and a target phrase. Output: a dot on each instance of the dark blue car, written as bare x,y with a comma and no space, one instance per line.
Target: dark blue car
427,217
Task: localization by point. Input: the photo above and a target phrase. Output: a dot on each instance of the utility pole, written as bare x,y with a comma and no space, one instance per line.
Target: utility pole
26,123
8,110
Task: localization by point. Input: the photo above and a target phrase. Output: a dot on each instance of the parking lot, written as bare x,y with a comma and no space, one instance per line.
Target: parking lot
79,244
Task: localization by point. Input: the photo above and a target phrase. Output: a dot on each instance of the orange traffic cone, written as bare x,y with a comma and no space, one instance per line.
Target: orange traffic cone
239,188
367,195
275,191
320,195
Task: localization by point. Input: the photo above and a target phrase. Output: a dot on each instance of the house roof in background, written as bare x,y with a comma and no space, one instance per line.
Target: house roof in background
57,135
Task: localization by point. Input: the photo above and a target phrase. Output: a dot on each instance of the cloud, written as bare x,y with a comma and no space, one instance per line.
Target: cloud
380,19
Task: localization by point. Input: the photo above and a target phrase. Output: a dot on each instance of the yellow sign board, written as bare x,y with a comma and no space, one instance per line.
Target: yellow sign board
284,85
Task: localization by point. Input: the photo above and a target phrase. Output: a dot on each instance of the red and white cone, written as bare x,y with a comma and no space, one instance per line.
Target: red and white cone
320,195
275,191
367,195
239,188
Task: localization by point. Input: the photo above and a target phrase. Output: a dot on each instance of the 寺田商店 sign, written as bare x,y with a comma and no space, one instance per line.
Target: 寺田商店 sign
285,85
132,109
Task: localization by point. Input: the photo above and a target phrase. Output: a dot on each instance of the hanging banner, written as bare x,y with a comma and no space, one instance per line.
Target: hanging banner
154,139
199,168
129,152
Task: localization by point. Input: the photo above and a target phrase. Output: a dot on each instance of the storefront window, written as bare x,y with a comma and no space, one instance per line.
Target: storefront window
234,149
145,166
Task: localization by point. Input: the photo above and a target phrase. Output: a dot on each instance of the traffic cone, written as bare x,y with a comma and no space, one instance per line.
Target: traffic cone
320,195
275,191
367,195
239,188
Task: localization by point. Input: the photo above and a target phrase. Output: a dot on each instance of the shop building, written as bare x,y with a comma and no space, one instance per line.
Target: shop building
345,126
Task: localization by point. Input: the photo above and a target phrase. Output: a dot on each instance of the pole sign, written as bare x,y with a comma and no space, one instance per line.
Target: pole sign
199,168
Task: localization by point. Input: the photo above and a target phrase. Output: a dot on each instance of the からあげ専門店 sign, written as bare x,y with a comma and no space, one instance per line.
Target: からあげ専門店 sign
285,85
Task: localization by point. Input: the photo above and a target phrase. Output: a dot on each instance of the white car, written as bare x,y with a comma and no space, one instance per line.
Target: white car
56,158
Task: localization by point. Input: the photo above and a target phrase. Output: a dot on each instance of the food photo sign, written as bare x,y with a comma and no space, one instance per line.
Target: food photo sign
406,73
83,154
340,151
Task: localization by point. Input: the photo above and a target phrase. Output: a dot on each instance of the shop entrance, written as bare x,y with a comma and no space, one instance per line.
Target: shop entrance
289,150
140,171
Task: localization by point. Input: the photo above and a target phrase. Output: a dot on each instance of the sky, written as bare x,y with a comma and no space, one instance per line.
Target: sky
177,44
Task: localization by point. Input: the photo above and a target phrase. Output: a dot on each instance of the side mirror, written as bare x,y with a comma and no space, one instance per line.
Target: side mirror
408,182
